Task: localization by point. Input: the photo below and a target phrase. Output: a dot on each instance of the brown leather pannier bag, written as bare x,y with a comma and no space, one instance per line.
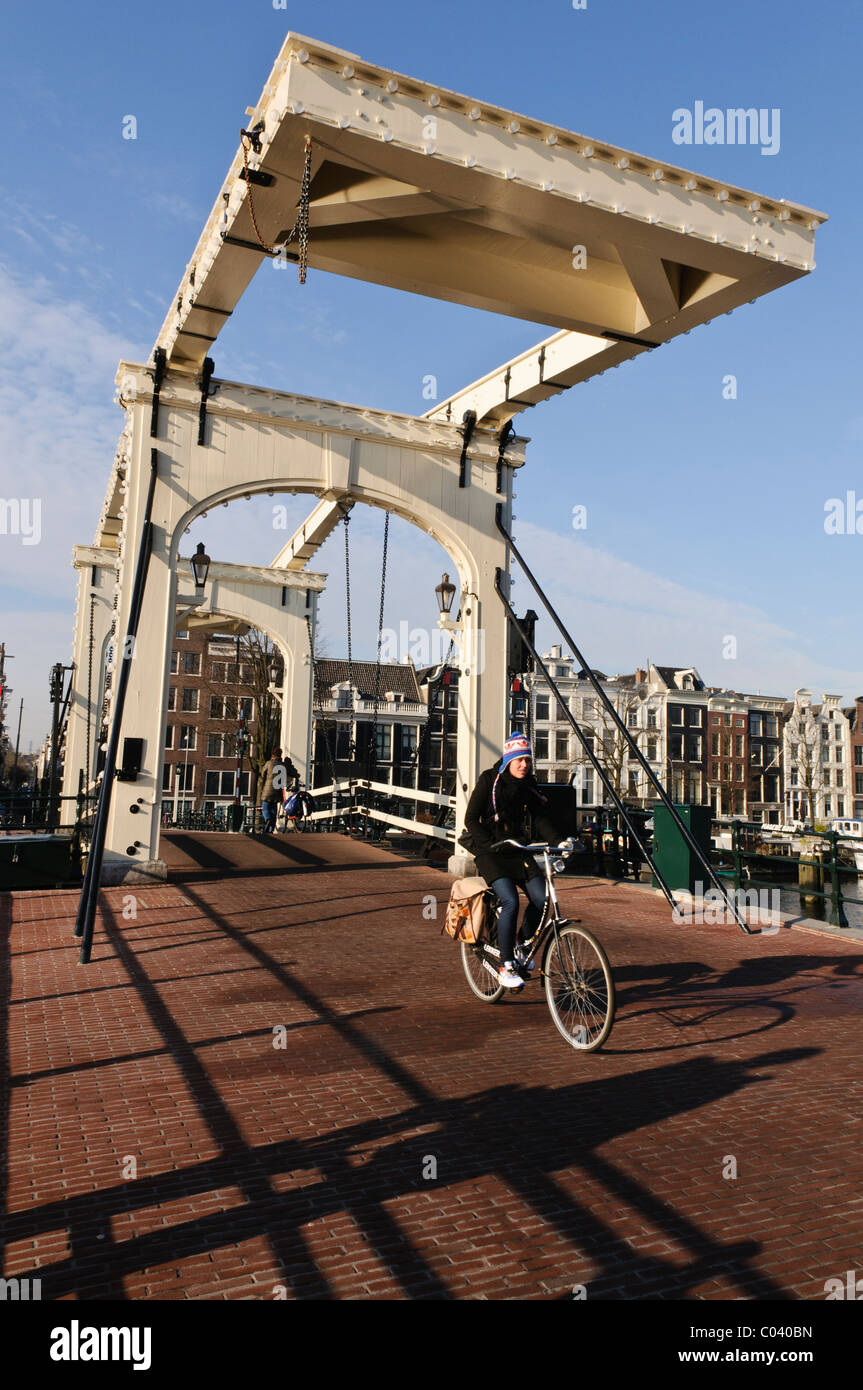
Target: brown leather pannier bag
466,910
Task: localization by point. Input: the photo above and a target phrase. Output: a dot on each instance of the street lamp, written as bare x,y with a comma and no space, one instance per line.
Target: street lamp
445,593
200,563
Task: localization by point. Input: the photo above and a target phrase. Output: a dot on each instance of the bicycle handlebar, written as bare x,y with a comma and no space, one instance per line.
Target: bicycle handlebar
566,846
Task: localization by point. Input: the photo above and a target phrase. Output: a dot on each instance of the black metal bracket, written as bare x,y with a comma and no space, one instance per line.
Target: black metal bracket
254,136
468,427
206,373
160,367
503,439
549,385
514,400
257,177
627,338
253,246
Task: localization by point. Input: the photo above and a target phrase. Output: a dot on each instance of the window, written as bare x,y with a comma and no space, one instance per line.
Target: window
840,778
771,787
771,726
826,778
181,636
677,746
191,663
222,783
694,749
837,753
383,744
739,722
632,718
540,747
651,718
185,777
561,747
169,736
217,706
542,707
651,749
738,772
409,742
858,783
755,725
694,717
173,666
677,714
633,782
188,736
827,806
345,699
166,777
219,672
172,697
190,701
588,707
714,745
840,805
858,755
738,746
246,708
217,746
755,755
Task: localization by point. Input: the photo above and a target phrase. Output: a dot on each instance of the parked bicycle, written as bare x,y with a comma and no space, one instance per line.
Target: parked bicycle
579,986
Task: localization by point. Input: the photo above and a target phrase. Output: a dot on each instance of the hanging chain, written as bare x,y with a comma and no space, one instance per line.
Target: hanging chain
372,750
300,228
351,744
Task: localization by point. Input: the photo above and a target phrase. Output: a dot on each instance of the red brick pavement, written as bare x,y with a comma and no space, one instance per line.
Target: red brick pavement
159,1145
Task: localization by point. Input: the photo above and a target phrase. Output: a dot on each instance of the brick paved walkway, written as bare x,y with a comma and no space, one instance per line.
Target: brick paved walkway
302,1166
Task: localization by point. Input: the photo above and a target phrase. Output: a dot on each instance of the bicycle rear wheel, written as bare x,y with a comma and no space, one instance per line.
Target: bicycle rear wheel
579,988
480,967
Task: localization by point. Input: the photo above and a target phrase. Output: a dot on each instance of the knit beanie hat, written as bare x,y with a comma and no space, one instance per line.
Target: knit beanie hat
516,746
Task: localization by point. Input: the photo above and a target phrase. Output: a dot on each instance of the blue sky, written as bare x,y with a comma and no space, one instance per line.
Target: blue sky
705,516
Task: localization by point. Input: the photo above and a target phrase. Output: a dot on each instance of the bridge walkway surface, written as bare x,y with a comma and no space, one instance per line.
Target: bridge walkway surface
407,1141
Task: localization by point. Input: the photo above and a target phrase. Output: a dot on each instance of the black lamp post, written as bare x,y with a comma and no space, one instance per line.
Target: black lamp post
200,563
445,593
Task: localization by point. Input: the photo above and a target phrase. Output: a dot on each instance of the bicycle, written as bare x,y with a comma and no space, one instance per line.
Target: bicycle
579,986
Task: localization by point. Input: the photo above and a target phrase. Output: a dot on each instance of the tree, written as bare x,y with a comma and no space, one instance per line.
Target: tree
251,679
610,745
805,760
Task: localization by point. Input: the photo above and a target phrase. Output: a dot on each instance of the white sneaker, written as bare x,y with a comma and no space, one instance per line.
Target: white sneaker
509,977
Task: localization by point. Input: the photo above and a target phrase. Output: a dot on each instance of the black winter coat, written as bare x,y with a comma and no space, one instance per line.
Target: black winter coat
521,807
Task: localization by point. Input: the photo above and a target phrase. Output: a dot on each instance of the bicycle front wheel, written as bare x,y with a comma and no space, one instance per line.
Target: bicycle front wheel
579,988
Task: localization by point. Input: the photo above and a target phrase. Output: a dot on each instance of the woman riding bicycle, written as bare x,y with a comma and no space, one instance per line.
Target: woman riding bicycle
507,803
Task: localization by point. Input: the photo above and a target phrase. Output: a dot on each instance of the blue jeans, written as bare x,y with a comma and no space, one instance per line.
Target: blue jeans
268,812
506,922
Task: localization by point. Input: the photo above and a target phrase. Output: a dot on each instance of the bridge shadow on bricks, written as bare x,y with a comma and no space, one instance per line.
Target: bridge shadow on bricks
406,1142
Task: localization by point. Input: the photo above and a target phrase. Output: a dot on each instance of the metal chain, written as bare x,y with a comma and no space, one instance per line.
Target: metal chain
372,749
351,746
301,225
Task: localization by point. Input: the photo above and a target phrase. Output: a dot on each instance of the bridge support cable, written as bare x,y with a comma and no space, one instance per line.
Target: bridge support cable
573,722
631,743
90,888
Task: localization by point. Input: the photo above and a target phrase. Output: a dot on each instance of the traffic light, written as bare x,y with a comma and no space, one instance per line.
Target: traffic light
520,658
